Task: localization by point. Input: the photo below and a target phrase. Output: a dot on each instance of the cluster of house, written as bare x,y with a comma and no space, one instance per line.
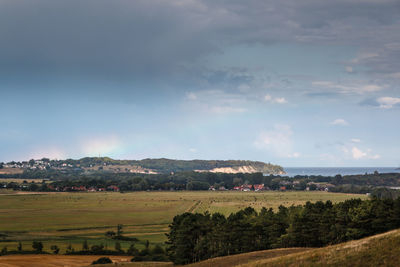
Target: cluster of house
249,187
244,188
283,186
37,164
83,188
30,165
45,164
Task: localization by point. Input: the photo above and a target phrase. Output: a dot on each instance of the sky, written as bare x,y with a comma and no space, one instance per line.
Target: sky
295,83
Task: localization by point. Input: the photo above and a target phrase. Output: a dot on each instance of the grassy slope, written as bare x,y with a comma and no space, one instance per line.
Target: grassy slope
227,261
378,250
247,257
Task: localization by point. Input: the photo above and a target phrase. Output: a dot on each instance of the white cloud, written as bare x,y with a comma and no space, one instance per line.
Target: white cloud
280,100
358,154
294,155
363,57
191,96
370,88
377,156
100,146
349,88
388,102
349,69
278,141
277,100
355,140
226,109
268,98
215,101
340,122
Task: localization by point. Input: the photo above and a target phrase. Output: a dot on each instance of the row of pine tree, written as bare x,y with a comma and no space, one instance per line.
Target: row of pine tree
196,237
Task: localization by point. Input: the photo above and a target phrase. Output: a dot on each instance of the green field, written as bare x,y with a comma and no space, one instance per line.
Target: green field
71,218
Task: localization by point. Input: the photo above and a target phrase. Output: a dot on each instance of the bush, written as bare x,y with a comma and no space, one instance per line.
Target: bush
55,249
97,248
157,250
102,260
140,258
38,246
132,250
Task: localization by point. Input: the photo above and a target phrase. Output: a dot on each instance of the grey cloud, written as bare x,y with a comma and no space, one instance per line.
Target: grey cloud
166,40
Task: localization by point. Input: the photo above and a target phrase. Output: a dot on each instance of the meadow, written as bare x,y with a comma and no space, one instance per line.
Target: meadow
64,219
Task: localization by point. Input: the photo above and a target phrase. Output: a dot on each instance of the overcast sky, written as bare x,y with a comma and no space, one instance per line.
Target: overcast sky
296,83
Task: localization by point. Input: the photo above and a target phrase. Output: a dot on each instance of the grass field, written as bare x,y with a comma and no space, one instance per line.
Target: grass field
11,171
70,218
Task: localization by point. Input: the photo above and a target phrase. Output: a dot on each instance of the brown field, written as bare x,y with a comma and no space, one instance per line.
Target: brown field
54,260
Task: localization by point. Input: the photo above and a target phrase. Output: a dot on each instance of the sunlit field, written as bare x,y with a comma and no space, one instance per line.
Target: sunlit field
64,219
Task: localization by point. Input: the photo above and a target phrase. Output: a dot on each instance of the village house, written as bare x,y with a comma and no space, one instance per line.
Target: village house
258,187
113,188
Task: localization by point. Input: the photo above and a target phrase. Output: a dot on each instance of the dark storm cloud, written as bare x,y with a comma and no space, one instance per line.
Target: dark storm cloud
167,40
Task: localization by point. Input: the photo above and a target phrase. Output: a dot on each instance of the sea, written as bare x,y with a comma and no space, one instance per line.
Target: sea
332,171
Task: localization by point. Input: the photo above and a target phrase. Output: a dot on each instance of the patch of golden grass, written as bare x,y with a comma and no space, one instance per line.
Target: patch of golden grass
235,260
378,250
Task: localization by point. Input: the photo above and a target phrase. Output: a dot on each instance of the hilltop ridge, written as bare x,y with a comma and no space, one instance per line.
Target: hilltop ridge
148,165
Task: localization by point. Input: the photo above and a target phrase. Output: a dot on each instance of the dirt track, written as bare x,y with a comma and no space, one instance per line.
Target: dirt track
53,260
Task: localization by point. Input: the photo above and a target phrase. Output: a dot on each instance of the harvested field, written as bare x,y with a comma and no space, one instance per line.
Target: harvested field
53,260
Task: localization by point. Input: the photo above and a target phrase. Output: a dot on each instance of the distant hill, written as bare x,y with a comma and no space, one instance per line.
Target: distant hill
164,165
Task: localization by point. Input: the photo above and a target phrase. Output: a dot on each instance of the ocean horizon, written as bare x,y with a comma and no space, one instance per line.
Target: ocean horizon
332,171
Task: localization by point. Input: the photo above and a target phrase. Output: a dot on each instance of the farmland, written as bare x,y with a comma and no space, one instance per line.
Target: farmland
64,219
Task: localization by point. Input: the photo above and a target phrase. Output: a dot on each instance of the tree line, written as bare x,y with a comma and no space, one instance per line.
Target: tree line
155,253
364,183
196,237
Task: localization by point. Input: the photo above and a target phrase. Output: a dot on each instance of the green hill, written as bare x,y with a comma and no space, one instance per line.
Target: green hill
164,165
